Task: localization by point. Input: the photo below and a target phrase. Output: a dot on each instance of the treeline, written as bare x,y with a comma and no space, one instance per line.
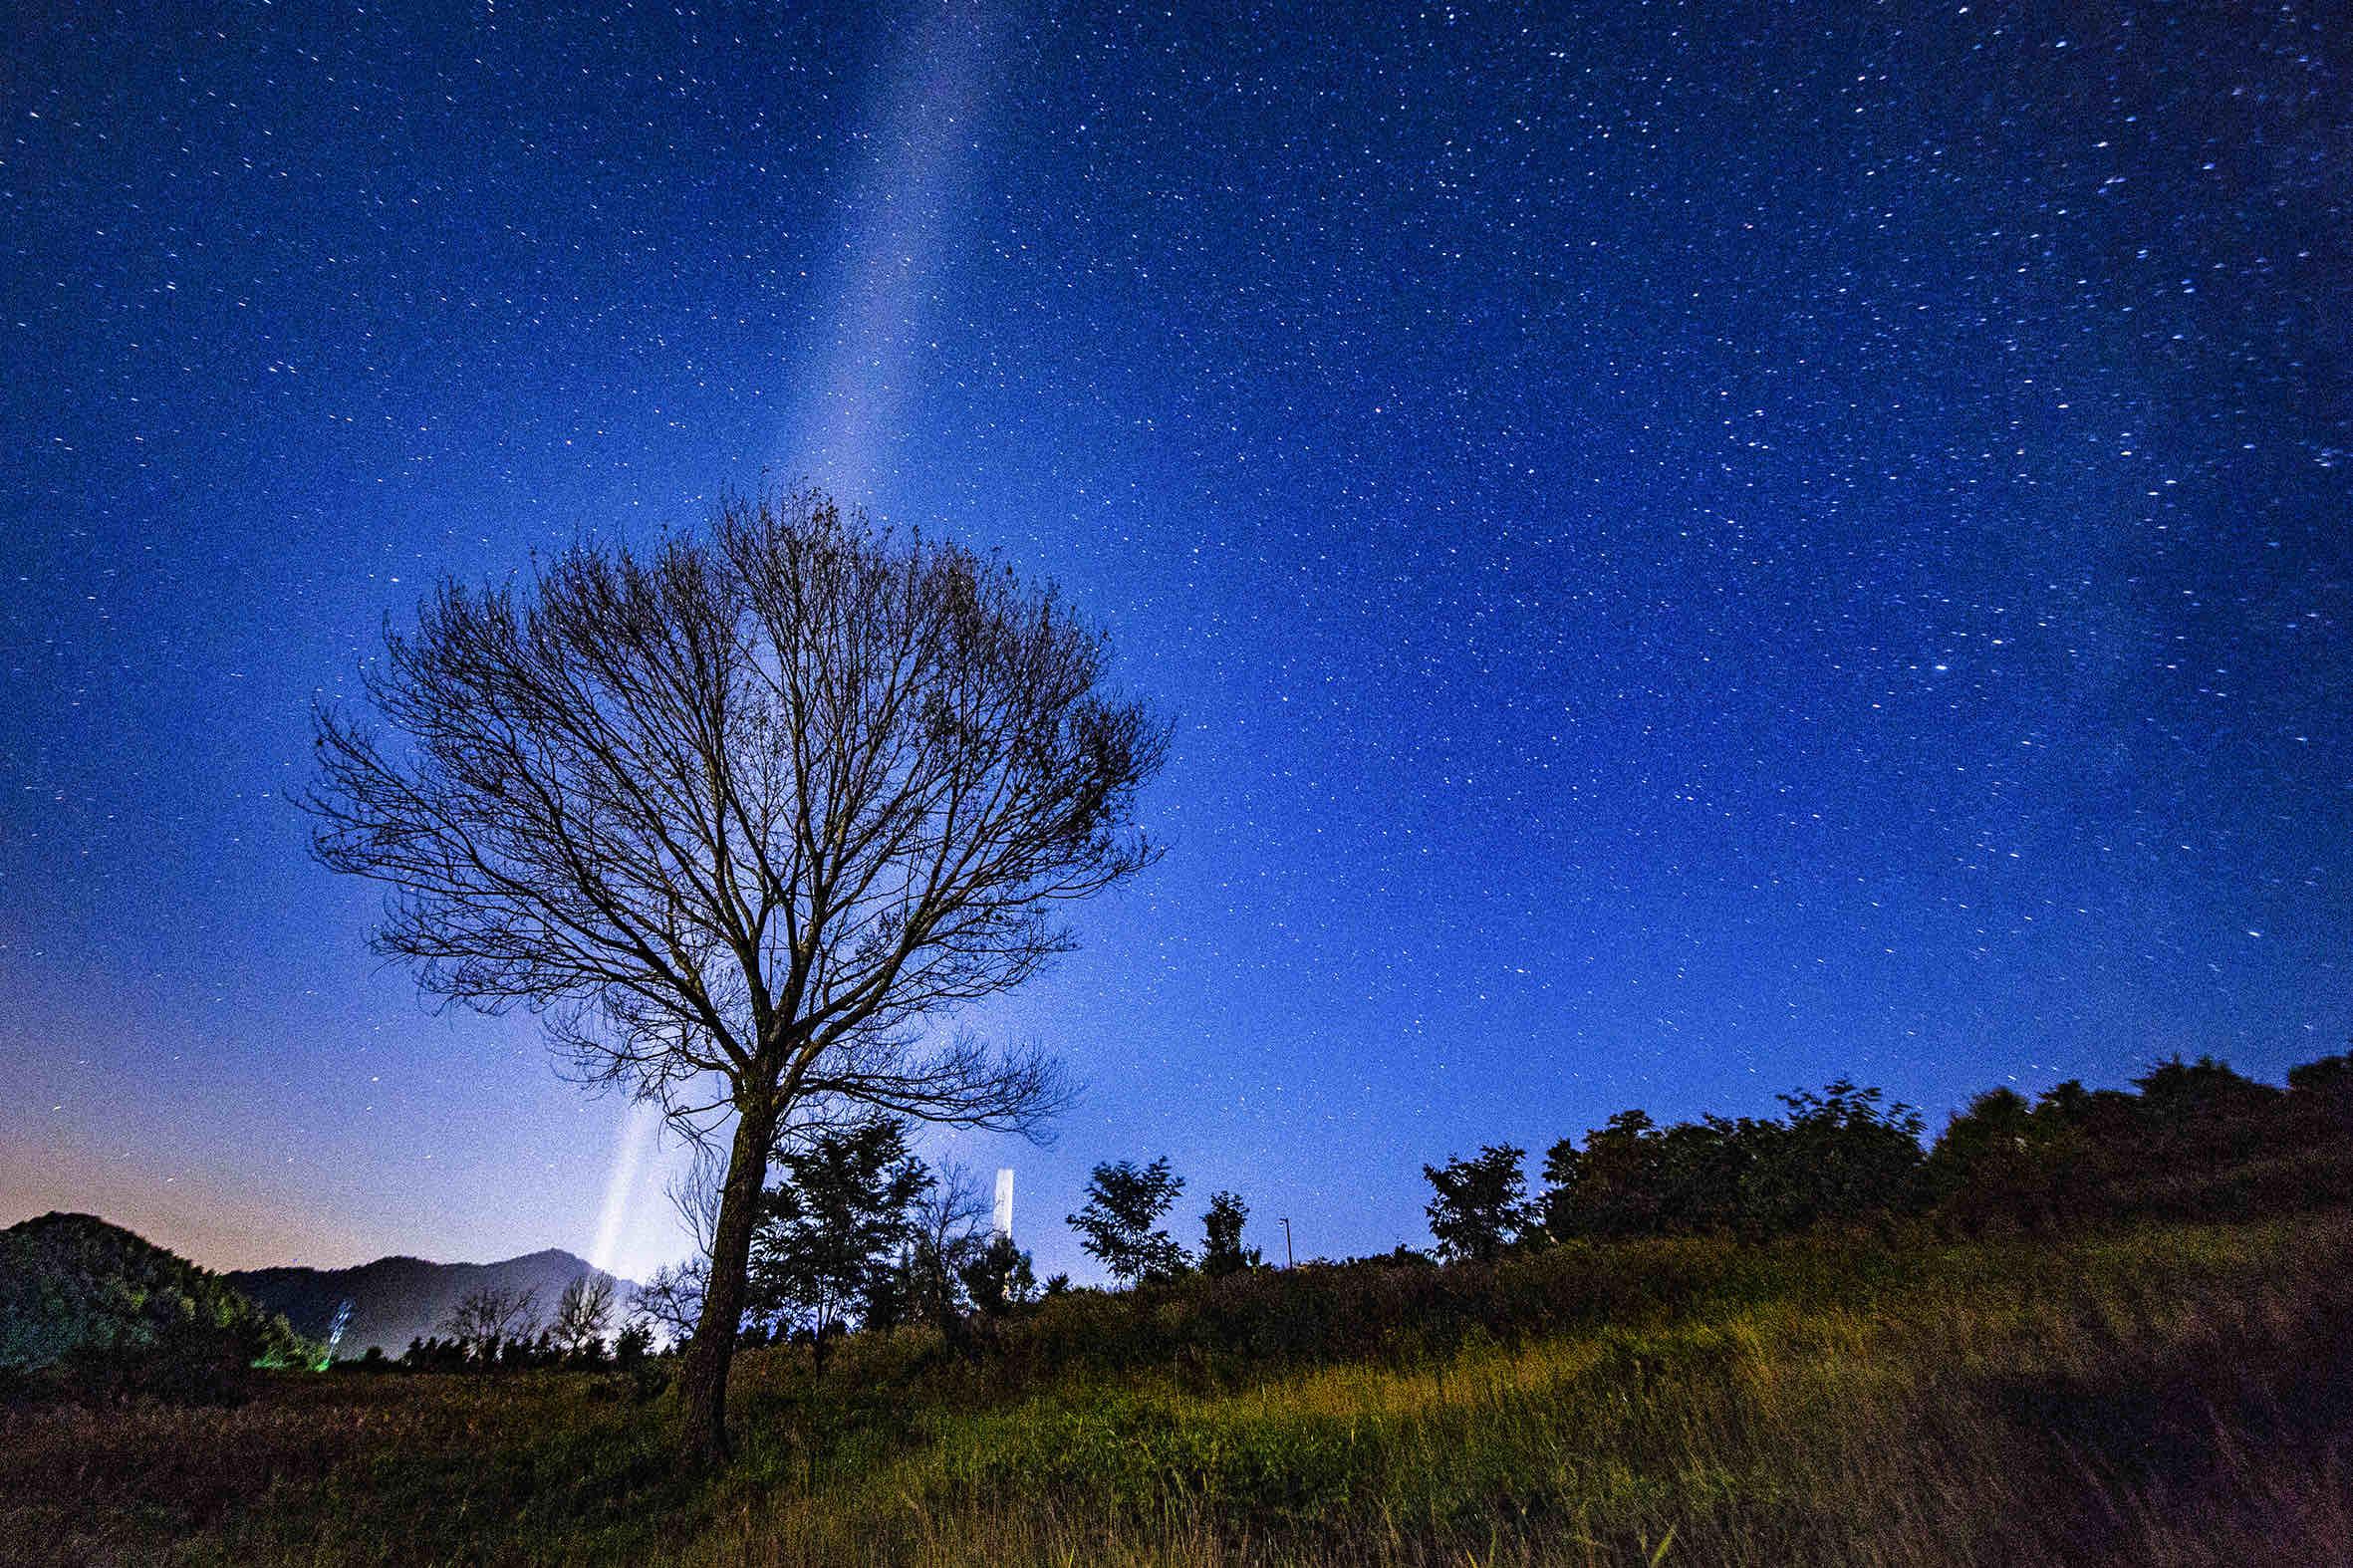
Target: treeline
2189,1140
496,1328
858,1233
1636,1217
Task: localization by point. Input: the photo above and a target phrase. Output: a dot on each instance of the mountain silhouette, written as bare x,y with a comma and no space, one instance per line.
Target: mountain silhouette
398,1299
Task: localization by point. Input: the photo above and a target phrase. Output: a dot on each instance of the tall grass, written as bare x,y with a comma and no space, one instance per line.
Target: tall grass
2168,1395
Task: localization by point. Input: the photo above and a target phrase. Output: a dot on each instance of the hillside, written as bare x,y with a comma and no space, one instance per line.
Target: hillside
70,1282
2154,1393
398,1299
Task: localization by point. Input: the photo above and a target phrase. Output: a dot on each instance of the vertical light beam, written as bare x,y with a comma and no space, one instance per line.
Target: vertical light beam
896,234
638,1130
895,239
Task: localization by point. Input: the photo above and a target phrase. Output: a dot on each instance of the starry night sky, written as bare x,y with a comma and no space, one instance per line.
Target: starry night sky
1693,548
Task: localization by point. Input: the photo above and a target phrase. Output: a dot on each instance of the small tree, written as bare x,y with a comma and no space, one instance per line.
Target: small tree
633,1343
1480,1202
583,1313
1222,1251
946,1234
999,1276
742,818
669,1304
845,1204
1120,1224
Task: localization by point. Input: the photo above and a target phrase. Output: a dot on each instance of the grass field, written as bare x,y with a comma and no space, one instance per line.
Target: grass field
2162,1394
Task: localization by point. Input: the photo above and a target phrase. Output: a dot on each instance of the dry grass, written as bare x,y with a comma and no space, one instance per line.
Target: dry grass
2171,1396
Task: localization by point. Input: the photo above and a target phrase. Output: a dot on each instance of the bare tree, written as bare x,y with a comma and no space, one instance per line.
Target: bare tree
582,1313
740,818
669,1303
490,1314
948,1232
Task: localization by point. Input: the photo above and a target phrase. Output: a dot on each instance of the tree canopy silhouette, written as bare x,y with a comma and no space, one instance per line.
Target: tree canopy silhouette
741,817
1121,1224
1479,1205
845,1204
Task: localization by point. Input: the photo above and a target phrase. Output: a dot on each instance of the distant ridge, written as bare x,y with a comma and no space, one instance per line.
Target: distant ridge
398,1299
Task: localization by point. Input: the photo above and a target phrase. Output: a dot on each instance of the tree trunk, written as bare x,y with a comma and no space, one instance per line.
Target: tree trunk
703,1380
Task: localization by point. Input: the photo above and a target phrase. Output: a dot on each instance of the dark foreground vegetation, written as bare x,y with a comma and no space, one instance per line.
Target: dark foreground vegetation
92,1312
2159,1393
2100,1327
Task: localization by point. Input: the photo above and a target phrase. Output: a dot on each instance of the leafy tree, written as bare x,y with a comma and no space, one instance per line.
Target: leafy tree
998,1277
2176,1090
1479,1205
1121,1222
2328,1075
889,1298
738,816
1992,1161
844,1204
2320,1094
633,1343
1222,1252
1838,1156
2205,1113
1614,1187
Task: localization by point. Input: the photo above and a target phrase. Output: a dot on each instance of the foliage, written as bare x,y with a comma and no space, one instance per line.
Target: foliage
2198,1140
2154,1393
2189,1140
845,1204
1120,1226
635,1342
1222,1252
1479,1203
945,1235
108,1314
999,1277
1834,1158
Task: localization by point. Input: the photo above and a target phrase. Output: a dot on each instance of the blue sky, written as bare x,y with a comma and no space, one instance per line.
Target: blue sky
1688,554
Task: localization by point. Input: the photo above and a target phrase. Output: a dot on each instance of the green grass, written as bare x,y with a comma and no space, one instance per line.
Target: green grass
2162,1394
